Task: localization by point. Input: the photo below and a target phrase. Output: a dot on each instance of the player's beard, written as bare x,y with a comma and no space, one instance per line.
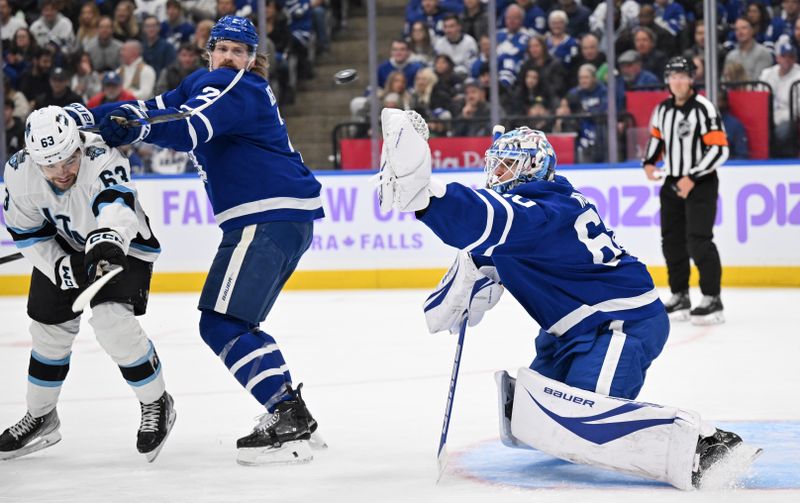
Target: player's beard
64,183
228,64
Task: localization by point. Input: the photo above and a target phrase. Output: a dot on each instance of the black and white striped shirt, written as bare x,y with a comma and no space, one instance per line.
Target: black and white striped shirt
690,138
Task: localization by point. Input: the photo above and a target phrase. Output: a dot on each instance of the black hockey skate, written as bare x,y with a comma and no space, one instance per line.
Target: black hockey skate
506,386
720,459
709,312
678,306
283,436
157,420
29,435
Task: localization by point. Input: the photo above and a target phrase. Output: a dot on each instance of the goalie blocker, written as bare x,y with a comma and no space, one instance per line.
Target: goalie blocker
648,440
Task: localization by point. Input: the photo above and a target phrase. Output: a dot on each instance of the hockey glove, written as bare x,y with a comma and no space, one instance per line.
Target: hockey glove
464,287
405,175
114,130
82,116
70,272
104,248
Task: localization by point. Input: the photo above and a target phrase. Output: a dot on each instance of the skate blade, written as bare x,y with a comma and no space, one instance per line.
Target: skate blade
152,455
290,453
708,319
726,473
316,442
38,444
681,315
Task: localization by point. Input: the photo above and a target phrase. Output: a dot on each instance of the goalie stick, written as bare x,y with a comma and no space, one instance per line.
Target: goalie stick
442,454
10,258
170,117
88,294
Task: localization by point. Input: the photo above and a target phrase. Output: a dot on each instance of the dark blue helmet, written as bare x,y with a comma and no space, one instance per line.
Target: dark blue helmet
235,28
679,64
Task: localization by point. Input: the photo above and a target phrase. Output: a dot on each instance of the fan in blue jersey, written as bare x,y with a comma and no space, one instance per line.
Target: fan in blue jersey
602,323
265,200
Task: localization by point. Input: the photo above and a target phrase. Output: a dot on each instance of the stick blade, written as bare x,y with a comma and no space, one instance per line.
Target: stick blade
87,295
443,459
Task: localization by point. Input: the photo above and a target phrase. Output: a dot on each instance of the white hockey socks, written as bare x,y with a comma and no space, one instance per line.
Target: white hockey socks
643,439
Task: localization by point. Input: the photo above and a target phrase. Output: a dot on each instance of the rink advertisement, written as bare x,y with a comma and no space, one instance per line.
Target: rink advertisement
359,246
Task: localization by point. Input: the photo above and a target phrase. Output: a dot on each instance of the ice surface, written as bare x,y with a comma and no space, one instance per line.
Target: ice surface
377,383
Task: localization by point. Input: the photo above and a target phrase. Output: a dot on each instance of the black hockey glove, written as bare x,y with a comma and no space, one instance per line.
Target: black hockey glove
104,247
70,272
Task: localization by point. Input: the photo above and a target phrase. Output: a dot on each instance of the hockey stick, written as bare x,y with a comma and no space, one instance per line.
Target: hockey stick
10,258
442,454
87,295
170,117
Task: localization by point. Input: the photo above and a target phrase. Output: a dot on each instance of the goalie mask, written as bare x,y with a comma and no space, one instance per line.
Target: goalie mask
519,156
51,136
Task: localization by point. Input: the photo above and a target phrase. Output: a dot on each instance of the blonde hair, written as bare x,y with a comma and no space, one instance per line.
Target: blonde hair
86,32
387,87
432,79
261,66
131,27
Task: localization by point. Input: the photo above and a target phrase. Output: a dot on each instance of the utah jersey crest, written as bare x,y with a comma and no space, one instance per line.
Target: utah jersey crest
15,160
94,152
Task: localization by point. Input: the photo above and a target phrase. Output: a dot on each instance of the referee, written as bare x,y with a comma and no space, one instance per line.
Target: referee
685,129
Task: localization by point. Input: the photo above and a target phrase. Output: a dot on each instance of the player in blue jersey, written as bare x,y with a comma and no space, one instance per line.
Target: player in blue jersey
532,233
265,200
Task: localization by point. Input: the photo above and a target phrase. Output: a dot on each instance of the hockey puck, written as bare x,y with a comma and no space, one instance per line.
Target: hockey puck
345,76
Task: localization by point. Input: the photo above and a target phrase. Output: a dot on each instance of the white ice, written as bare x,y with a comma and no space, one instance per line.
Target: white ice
377,382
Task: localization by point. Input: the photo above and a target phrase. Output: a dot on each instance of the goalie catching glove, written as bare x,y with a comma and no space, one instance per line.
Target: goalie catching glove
405,174
104,248
464,287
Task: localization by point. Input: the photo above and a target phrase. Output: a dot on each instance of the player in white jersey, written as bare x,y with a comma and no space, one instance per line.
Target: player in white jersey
601,321
73,212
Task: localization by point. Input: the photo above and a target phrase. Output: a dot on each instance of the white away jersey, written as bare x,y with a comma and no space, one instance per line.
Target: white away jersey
47,223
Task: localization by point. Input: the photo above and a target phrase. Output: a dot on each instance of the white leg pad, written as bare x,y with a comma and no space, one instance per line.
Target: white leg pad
53,342
643,439
118,332
122,337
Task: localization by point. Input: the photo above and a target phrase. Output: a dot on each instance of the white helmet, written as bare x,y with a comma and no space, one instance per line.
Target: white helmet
51,135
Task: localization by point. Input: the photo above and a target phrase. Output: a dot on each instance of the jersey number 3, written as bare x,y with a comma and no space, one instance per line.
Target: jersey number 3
596,244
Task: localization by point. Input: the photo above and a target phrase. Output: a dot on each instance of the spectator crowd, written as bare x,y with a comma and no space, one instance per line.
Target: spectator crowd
552,65
553,69
57,52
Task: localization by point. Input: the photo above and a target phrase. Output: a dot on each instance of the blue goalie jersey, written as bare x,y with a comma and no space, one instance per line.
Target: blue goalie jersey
551,251
266,180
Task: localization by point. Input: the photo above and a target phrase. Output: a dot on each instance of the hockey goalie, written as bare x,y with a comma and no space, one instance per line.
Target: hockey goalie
530,232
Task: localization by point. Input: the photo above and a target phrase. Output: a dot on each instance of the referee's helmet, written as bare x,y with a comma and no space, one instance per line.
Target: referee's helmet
679,64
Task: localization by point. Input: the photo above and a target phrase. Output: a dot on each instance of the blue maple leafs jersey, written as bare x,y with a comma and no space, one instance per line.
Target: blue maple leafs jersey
551,250
241,146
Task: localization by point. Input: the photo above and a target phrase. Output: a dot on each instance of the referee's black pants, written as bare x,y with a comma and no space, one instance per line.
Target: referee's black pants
687,231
